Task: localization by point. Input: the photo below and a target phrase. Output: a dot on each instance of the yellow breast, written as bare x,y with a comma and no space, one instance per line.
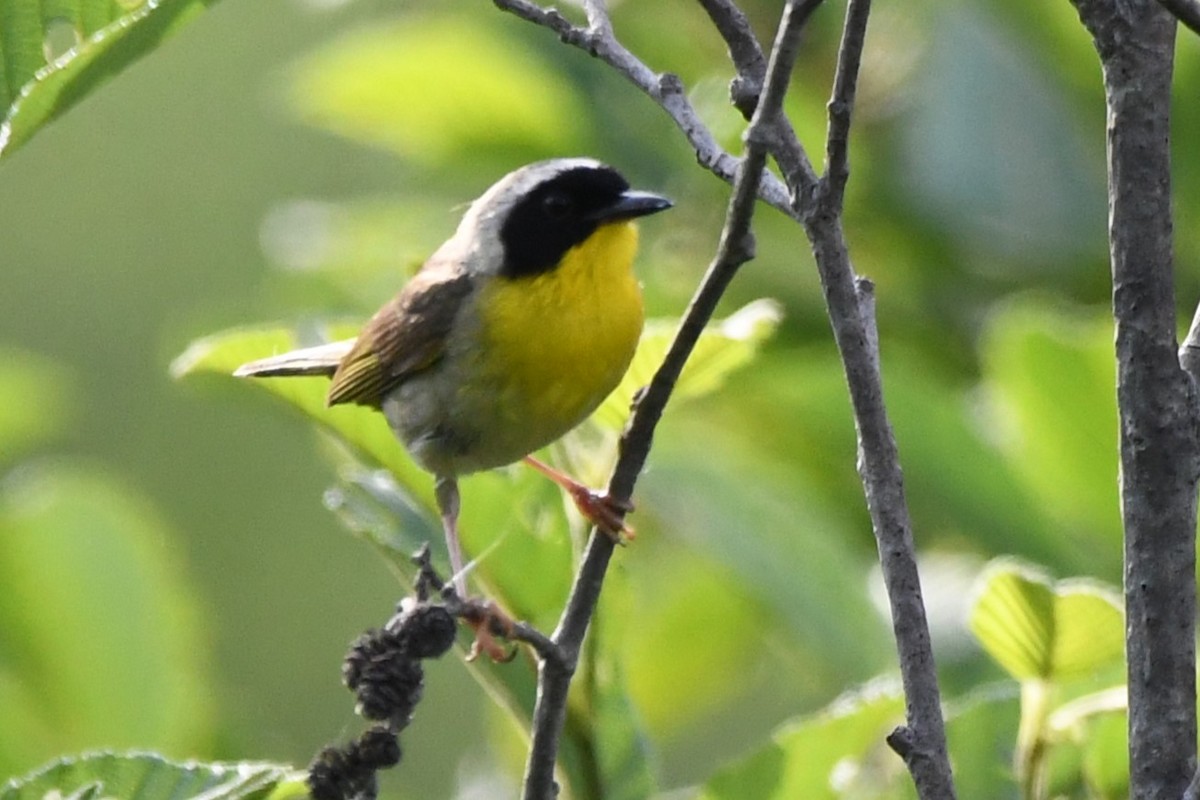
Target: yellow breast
559,342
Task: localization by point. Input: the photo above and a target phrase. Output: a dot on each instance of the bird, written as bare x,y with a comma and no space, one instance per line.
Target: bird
508,336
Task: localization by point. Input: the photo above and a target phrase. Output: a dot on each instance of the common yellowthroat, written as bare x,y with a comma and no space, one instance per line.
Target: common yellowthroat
509,336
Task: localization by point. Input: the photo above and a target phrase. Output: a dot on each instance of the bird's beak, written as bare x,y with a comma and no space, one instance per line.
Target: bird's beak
631,203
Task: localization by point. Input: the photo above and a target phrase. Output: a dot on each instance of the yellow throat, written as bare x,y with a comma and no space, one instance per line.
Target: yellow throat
560,341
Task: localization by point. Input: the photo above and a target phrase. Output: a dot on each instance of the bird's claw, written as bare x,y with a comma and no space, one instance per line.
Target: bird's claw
490,625
605,512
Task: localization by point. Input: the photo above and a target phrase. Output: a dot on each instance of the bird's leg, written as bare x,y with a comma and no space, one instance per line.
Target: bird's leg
596,507
446,491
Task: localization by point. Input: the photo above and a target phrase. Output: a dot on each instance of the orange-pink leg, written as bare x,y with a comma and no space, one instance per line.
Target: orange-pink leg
596,507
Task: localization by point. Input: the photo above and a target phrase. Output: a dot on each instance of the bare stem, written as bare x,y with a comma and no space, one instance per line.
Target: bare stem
744,51
850,303
845,81
735,248
746,87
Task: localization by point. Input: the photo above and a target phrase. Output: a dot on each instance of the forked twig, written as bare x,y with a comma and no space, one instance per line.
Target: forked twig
757,91
735,248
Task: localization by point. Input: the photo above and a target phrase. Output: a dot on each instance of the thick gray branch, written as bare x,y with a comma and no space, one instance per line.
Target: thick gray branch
1156,398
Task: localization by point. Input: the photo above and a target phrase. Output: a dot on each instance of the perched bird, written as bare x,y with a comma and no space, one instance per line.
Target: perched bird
509,336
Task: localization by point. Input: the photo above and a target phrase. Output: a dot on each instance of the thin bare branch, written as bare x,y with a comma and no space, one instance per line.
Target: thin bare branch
744,51
850,302
1186,11
665,89
597,16
922,741
735,248
845,82
744,91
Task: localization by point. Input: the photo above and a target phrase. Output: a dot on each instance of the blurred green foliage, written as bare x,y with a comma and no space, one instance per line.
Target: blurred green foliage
169,539
54,54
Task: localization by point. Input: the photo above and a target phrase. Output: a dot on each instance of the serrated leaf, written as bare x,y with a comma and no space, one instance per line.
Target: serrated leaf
437,87
815,757
107,36
147,776
724,346
1037,629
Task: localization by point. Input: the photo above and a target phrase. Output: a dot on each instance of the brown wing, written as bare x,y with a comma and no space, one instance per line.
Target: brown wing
406,336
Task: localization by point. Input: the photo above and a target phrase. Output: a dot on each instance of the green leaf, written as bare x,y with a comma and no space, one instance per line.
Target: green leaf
1037,629
364,430
788,553
99,634
1050,377
980,731
724,347
623,750
36,402
674,612
434,88
1106,757
147,776
827,755
104,37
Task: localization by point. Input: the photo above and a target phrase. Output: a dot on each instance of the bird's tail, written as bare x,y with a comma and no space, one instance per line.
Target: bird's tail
322,359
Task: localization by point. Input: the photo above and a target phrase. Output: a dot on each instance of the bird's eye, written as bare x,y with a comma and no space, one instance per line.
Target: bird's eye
557,205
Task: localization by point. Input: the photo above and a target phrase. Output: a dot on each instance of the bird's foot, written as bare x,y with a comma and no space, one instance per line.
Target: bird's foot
598,508
491,625
604,511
